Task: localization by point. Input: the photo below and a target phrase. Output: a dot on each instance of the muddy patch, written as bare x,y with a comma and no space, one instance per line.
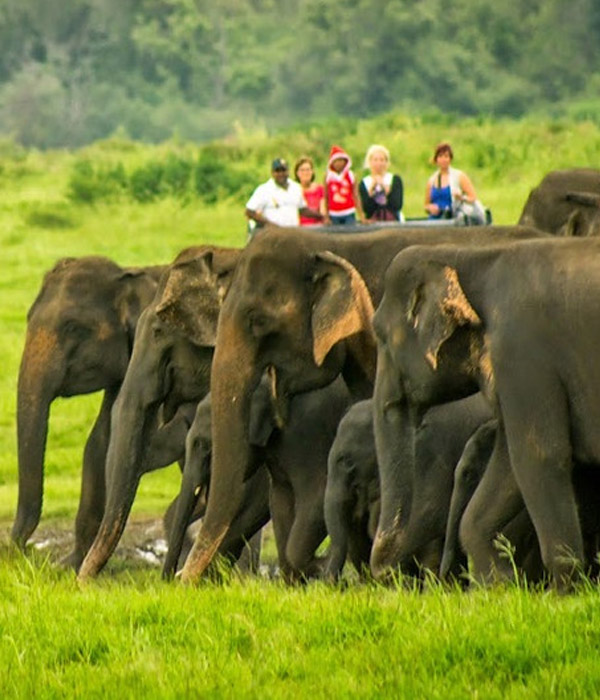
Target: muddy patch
142,546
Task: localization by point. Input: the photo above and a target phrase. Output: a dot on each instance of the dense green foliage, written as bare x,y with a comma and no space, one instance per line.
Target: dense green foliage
129,635
74,72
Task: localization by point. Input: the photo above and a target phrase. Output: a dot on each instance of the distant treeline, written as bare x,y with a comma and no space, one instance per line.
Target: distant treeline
74,72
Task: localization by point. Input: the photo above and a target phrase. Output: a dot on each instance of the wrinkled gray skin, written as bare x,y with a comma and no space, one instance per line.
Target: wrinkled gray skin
520,531
565,203
298,304
169,368
80,331
518,321
427,483
295,457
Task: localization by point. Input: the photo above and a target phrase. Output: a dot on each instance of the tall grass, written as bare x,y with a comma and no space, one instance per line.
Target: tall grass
129,635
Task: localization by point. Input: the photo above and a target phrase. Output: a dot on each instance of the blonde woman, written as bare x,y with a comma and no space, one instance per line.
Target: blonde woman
381,192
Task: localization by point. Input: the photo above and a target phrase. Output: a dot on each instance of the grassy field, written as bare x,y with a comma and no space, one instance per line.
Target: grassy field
129,634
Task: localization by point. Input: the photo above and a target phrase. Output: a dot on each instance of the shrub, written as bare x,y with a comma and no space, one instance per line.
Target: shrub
88,183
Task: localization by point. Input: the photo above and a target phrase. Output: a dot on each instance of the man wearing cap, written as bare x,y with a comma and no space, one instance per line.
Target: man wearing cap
279,200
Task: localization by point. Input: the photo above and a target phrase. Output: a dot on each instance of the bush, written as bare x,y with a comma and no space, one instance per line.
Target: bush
88,183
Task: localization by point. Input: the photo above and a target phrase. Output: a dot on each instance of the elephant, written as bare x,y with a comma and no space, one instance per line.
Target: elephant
352,492
80,330
353,485
566,202
169,368
295,458
299,305
518,321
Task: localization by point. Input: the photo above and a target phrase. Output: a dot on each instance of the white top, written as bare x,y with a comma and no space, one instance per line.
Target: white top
277,204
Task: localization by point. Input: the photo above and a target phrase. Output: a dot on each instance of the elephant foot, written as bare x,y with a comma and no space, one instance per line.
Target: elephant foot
384,554
72,560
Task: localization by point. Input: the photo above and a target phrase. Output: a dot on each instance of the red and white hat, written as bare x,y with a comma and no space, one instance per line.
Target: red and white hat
338,152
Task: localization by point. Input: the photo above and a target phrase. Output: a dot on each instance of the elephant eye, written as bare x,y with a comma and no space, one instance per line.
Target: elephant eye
72,328
259,324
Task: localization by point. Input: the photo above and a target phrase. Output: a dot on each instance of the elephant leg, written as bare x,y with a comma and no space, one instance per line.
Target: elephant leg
93,485
542,464
359,548
339,503
282,515
467,475
307,533
495,502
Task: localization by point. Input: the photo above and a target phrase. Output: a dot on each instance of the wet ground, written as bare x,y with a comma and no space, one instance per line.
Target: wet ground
142,546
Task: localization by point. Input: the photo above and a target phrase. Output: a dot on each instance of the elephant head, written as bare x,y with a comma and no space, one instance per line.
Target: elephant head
170,365
80,331
565,203
301,315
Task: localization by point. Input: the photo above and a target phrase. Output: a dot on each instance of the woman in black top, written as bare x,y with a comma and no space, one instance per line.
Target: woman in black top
381,193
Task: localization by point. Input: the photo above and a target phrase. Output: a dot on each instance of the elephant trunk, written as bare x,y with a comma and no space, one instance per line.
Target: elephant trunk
233,380
40,375
395,442
192,485
130,425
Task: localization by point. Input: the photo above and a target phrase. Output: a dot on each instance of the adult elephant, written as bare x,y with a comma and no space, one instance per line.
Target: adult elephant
518,320
300,306
566,202
80,330
169,368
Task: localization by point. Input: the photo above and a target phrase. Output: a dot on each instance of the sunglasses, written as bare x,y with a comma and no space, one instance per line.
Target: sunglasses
280,170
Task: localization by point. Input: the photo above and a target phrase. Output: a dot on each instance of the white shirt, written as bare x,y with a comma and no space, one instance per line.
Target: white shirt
277,204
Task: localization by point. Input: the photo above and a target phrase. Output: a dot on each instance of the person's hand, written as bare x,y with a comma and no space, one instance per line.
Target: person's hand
432,208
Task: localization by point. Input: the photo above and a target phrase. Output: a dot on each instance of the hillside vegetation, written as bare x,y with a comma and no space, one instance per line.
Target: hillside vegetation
74,72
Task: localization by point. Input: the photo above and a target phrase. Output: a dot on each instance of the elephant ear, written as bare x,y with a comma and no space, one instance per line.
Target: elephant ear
136,289
342,307
437,308
192,294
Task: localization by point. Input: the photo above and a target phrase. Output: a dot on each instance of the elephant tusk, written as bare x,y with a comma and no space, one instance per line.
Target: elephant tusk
279,419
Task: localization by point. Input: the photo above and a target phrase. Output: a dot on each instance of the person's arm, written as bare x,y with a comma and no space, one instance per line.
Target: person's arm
367,201
395,198
307,211
310,213
468,191
430,208
326,217
255,206
255,215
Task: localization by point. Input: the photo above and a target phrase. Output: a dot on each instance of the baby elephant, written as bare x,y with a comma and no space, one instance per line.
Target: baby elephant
352,498
352,492
288,476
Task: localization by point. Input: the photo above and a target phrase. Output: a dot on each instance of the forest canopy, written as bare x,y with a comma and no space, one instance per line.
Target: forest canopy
72,73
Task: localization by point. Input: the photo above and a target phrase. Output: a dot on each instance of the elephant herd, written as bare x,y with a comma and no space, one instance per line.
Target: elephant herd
412,393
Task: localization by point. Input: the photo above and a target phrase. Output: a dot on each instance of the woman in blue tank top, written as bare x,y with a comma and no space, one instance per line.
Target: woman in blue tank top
446,185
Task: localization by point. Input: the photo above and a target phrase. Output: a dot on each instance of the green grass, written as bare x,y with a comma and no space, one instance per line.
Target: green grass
129,634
